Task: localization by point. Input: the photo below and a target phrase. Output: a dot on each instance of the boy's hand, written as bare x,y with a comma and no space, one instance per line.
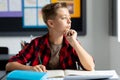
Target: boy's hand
39,68
71,35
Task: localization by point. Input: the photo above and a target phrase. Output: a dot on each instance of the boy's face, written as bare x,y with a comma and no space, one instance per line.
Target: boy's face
62,21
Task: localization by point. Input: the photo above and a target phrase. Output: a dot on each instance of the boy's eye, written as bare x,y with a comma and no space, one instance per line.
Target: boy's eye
64,18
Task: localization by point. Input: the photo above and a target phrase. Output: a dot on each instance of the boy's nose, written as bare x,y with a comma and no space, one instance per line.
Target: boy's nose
69,21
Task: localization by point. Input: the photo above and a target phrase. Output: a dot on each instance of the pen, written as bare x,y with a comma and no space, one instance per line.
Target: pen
77,65
39,59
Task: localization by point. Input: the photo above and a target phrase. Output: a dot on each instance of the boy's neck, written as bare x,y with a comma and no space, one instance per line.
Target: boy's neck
55,38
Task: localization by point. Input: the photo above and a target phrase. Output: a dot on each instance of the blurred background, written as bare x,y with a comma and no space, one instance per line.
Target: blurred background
101,40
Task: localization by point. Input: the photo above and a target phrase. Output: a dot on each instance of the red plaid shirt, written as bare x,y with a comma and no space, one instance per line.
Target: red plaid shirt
40,45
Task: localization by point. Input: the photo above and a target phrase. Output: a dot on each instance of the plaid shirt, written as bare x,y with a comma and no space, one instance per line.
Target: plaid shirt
40,45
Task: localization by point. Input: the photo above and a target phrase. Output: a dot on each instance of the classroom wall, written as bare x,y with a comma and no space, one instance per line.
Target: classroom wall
104,48
115,54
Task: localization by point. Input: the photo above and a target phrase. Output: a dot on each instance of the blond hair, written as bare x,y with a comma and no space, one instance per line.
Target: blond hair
49,11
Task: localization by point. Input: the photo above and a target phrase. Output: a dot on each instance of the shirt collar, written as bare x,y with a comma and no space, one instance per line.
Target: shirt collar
46,41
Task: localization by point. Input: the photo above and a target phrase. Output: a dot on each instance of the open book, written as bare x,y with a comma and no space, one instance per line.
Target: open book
76,74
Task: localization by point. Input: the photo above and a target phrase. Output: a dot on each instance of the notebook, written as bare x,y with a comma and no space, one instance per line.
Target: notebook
26,75
76,74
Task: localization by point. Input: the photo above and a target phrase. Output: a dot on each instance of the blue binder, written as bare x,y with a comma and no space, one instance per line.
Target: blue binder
26,75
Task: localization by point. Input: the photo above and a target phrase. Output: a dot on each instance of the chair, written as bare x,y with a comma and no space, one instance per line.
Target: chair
3,51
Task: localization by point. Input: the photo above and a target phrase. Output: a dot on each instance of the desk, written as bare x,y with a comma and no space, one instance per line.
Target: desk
2,74
4,78
63,79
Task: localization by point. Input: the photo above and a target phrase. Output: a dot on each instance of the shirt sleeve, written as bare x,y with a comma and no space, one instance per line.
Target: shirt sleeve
24,55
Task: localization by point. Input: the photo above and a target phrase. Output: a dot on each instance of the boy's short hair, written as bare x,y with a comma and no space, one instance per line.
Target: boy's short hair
49,11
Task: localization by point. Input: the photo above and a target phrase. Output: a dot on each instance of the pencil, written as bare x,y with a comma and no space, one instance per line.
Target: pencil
39,58
77,65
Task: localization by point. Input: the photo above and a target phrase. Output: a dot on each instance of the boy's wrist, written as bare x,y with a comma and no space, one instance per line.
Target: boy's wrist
74,42
29,68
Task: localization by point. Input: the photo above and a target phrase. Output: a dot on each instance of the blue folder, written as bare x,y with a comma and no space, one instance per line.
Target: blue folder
26,75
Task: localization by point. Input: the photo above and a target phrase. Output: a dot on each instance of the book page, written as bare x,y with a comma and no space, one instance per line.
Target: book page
97,74
88,73
55,73
77,72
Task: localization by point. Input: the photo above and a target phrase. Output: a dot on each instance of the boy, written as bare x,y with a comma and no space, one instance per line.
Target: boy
58,49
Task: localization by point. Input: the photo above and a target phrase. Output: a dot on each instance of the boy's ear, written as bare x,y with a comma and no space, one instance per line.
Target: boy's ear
50,23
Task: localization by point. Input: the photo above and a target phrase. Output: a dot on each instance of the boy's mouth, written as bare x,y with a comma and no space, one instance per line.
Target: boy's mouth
68,27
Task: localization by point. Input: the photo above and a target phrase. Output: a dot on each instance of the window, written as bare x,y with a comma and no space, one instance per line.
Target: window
23,17
118,18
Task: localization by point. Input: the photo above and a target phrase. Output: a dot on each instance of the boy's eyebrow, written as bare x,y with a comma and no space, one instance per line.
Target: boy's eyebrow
67,16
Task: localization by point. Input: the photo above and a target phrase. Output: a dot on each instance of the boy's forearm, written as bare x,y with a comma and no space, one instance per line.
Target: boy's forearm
85,58
16,66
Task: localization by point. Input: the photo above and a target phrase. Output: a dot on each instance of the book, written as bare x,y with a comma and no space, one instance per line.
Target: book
26,75
77,74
